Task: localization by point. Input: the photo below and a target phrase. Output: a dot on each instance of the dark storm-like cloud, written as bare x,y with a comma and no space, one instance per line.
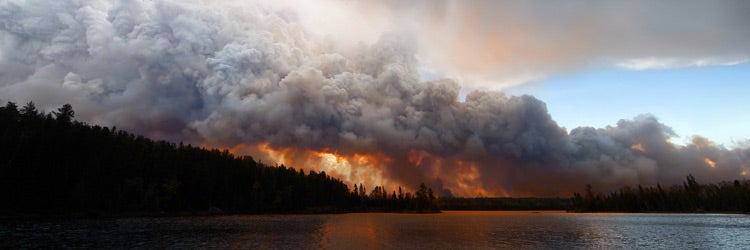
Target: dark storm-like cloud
234,73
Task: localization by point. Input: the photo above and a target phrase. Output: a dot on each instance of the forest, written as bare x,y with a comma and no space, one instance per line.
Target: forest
53,164
690,197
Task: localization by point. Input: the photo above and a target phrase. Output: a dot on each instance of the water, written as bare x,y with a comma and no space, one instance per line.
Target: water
452,229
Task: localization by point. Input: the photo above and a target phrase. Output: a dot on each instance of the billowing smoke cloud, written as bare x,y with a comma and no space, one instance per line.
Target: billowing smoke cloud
251,78
501,43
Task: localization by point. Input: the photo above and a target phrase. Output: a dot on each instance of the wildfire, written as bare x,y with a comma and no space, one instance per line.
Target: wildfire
468,180
638,146
464,178
352,169
417,157
710,162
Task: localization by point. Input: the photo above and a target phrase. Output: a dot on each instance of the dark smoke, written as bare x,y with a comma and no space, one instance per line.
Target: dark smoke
229,75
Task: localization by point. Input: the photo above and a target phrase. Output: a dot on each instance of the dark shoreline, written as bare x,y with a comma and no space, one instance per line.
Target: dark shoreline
73,216
92,215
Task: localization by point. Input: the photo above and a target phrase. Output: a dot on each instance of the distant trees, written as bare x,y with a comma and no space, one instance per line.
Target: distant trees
379,200
486,203
688,197
52,163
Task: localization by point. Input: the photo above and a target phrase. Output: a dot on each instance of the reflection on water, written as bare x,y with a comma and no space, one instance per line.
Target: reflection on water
472,230
453,229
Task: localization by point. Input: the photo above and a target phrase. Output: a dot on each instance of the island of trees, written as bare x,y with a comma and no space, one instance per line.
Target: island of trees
50,163
503,203
690,197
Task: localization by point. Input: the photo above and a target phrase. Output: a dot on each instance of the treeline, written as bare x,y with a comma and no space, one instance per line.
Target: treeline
688,197
379,200
452,203
52,163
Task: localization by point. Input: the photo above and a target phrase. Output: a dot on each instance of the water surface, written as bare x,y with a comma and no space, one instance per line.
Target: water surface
451,229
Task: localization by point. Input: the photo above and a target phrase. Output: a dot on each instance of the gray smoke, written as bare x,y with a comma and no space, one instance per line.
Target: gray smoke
229,74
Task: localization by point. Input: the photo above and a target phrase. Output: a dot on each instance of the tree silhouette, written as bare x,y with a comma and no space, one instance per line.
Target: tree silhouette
65,113
51,163
10,111
688,197
29,110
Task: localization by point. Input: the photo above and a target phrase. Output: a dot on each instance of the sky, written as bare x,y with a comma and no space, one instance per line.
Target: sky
592,63
709,101
474,98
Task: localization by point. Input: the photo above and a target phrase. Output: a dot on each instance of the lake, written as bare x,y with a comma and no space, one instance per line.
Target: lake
450,229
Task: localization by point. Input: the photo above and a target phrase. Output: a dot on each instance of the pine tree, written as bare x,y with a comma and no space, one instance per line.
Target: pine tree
64,114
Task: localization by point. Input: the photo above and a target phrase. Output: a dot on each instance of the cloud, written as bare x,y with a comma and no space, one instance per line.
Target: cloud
668,63
494,43
255,77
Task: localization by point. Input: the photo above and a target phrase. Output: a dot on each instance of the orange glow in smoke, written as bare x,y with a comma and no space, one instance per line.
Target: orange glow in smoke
469,182
710,162
463,178
638,146
352,169
417,157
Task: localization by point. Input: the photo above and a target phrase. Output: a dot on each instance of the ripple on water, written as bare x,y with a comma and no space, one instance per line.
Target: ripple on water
454,229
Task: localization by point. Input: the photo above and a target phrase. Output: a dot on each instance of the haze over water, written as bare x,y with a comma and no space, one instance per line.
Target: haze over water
452,229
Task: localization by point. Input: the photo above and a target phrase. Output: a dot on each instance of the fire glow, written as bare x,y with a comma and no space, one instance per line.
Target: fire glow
367,168
709,162
354,169
639,147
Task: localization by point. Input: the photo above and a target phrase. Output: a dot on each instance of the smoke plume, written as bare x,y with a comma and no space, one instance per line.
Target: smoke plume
251,78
